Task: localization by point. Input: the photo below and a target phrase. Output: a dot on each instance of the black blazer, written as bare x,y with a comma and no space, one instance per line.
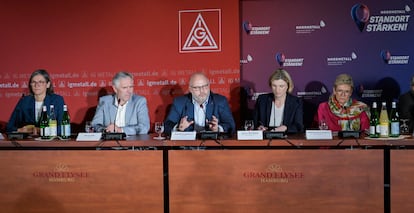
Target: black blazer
292,114
406,108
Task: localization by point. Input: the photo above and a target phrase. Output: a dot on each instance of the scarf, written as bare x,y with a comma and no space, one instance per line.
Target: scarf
350,111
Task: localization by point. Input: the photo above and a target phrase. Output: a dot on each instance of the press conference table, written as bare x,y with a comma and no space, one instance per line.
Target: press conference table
141,174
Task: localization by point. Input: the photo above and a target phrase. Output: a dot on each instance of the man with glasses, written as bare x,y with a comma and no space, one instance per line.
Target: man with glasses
25,116
200,109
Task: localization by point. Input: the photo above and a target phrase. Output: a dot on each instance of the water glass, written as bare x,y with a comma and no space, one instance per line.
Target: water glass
323,125
248,125
88,127
159,129
404,129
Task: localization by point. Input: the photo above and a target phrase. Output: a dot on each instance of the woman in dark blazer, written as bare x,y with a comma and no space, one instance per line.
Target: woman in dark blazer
279,110
26,114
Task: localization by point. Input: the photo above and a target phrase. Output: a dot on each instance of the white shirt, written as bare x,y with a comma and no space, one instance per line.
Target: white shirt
38,109
276,116
120,115
199,116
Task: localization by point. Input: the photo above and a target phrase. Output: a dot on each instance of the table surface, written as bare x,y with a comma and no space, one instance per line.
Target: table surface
291,141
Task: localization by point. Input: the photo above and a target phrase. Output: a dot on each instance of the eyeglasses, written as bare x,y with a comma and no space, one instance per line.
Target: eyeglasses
199,88
34,83
343,92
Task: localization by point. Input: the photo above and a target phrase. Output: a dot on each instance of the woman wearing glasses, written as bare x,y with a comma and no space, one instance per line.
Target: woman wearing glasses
26,114
341,112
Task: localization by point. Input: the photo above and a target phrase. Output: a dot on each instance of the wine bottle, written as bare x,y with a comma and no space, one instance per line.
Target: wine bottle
395,121
52,122
374,122
384,122
44,124
65,126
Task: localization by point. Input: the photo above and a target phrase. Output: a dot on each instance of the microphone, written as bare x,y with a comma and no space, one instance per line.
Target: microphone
115,135
206,121
117,107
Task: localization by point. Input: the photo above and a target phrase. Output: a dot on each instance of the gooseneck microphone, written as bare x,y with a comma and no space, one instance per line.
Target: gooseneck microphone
116,113
206,121
348,118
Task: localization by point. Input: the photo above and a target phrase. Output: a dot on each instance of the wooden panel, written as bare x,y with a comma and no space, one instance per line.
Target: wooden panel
81,181
256,181
402,176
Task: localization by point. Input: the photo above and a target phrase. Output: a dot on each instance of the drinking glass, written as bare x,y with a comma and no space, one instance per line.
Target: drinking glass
404,130
323,125
159,129
248,125
88,127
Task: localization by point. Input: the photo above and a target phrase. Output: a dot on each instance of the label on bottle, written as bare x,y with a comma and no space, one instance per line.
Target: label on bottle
384,130
395,129
53,128
45,132
373,132
65,130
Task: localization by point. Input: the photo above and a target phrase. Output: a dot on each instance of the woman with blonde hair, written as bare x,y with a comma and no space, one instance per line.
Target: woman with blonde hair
279,110
341,112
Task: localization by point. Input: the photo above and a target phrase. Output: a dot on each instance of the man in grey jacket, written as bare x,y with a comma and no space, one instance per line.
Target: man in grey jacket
123,111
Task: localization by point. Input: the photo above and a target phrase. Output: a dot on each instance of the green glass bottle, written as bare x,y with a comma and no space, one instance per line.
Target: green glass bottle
44,124
395,121
65,125
374,122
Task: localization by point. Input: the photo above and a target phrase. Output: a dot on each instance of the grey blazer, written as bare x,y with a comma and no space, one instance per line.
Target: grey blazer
136,116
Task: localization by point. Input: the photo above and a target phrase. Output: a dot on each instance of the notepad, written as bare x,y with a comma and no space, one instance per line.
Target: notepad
319,135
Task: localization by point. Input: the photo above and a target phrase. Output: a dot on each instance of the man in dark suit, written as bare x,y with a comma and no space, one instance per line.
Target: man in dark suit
406,106
200,109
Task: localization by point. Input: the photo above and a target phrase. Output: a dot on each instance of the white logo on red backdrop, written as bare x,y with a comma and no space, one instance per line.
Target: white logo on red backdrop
201,30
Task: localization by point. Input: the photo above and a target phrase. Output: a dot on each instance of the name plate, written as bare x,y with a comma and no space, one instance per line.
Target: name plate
319,135
86,136
186,136
250,135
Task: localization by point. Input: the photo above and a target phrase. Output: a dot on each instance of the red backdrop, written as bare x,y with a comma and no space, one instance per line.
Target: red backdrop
83,43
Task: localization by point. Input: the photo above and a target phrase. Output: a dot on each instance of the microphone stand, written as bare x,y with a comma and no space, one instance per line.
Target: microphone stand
218,142
356,140
15,143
